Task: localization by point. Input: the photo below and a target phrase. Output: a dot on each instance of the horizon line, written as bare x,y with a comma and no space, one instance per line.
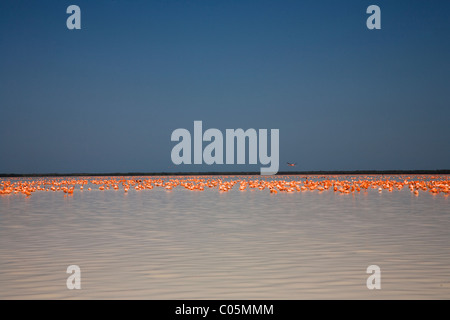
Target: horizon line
230,173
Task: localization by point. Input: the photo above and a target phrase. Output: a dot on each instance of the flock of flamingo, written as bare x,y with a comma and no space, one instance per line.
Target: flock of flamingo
416,184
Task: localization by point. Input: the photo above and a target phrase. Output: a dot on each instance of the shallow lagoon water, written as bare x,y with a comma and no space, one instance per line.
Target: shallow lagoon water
181,244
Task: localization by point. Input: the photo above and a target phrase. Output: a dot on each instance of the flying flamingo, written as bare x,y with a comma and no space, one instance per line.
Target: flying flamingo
291,164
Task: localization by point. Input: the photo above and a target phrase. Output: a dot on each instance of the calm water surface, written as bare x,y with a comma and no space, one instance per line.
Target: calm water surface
180,244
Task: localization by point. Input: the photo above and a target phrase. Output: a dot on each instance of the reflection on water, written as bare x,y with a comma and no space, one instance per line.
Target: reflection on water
179,244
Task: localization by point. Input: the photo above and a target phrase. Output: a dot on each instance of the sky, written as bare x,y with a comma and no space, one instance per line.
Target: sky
107,97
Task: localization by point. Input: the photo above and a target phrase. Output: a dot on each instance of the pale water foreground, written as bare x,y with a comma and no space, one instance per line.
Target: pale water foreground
181,244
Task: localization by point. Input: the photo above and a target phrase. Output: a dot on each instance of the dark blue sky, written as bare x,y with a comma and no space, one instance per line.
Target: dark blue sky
106,98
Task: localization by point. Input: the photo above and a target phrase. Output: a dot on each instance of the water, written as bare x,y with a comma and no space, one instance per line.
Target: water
181,244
